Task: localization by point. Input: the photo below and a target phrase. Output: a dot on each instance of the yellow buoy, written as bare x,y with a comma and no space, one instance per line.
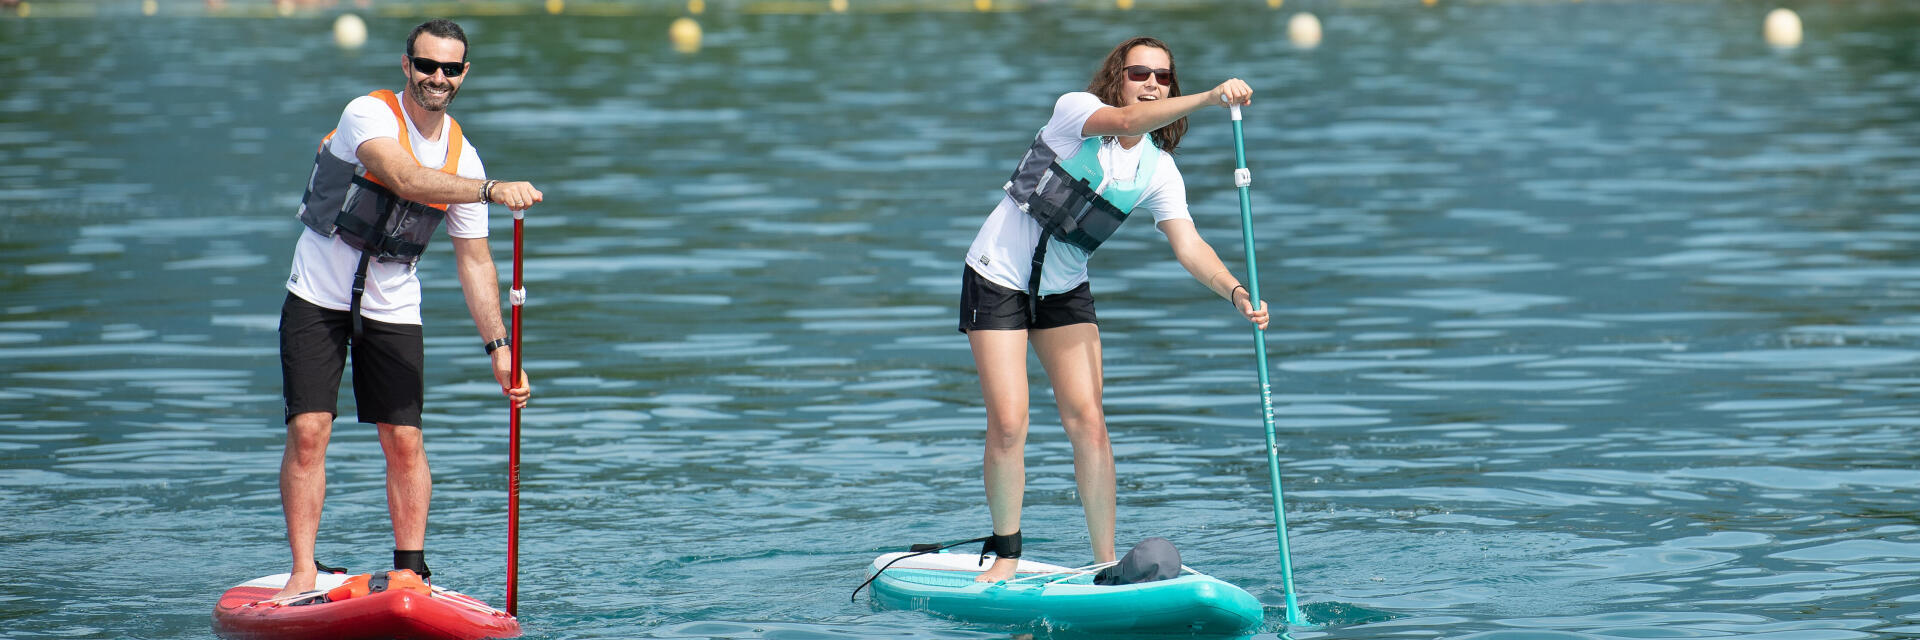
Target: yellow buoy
1783,28
283,7
1275,4
1430,2
25,9
685,35
982,5
838,6
556,6
149,7
349,31
696,7
1123,4
1304,30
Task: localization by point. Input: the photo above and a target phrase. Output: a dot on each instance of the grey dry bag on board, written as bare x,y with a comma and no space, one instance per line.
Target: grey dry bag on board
1152,560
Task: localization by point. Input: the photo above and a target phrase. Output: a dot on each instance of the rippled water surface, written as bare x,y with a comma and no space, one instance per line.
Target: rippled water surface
1593,319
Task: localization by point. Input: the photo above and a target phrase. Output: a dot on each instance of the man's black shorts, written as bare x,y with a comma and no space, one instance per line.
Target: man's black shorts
988,306
387,361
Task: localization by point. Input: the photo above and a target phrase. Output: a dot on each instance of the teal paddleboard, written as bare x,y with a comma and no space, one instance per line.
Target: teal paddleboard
1063,598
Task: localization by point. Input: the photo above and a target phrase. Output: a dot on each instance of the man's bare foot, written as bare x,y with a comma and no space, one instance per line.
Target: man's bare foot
298,583
1002,569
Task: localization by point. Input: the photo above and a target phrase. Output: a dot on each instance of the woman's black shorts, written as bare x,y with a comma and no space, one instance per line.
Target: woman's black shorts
988,306
387,363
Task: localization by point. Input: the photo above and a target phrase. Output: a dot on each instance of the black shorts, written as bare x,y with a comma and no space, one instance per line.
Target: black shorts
988,306
387,361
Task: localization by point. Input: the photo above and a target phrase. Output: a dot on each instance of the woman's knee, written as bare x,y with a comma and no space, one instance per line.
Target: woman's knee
1006,433
1086,427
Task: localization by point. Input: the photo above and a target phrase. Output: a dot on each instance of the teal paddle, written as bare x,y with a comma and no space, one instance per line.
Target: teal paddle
1243,180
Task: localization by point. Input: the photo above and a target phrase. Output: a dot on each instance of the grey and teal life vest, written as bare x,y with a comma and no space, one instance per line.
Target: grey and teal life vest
343,200
1074,200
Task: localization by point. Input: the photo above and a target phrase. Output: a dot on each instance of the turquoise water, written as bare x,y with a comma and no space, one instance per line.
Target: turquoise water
1593,320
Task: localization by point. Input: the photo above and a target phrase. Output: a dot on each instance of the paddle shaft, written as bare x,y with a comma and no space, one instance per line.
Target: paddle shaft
1244,180
519,297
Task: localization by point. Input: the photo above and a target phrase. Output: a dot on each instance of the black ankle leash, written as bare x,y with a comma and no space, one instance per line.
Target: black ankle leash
992,544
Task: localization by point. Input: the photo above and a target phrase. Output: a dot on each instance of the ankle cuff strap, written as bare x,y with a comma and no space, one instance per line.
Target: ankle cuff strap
1007,546
415,560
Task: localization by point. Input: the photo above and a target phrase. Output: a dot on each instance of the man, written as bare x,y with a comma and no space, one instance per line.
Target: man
383,181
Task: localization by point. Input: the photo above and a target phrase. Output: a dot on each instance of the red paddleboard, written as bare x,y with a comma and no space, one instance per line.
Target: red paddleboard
408,611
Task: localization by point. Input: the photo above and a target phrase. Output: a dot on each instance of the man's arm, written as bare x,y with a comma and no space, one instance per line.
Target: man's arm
480,283
389,162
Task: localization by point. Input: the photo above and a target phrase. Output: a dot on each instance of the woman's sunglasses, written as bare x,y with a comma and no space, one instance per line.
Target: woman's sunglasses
1139,73
427,66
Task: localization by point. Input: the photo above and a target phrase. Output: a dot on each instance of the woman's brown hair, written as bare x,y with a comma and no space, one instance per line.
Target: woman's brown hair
1107,81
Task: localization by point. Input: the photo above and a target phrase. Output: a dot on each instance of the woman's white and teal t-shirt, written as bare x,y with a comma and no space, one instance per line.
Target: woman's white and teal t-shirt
1003,250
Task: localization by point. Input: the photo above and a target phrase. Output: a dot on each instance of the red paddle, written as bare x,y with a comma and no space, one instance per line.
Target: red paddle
519,297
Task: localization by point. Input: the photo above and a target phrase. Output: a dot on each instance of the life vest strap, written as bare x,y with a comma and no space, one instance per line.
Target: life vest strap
359,291
1033,279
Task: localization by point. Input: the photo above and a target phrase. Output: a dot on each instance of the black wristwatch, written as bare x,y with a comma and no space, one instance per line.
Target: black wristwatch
497,343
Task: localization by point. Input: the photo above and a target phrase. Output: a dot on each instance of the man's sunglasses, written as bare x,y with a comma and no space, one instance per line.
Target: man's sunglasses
427,66
1139,73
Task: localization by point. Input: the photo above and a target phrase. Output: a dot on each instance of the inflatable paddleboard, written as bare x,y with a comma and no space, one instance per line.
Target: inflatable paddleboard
1063,598
408,610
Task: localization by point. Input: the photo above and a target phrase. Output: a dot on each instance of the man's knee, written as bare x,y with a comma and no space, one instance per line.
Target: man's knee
307,435
403,444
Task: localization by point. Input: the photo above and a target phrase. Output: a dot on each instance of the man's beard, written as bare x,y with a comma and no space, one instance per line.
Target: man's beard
420,96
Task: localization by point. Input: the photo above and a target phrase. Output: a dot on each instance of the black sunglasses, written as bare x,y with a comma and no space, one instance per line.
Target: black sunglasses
1139,73
427,66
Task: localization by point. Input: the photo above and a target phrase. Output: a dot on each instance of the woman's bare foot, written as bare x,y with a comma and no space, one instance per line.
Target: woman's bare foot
1002,569
298,583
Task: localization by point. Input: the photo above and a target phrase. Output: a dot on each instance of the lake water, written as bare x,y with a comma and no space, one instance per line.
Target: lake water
1593,320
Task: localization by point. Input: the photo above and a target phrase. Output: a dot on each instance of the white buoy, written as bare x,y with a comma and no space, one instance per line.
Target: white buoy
685,35
1304,30
349,31
1783,28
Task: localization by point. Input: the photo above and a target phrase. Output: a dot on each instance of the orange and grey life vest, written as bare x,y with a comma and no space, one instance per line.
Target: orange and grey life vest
1075,200
343,199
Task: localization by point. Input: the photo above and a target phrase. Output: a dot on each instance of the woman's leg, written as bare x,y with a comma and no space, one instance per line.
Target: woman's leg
1071,355
1001,357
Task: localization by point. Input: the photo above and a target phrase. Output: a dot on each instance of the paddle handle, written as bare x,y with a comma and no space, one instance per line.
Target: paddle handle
518,296
1243,180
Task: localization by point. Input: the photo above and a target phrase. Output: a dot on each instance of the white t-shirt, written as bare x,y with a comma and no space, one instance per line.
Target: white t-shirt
1003,251
323,266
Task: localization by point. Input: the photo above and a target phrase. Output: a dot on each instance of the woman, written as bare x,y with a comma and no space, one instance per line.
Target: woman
1104,153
